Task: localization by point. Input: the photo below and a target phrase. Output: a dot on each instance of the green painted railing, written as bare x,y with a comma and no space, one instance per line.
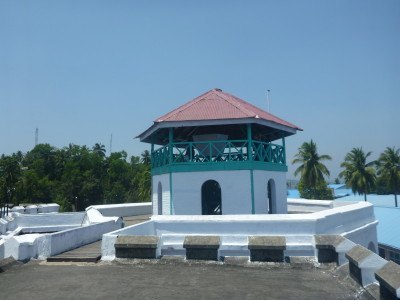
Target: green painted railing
218,152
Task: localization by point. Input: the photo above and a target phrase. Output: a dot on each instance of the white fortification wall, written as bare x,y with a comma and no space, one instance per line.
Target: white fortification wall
355,221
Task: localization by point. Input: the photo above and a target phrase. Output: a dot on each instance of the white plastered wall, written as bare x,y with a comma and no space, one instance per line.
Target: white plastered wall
260,179
235,191
164,180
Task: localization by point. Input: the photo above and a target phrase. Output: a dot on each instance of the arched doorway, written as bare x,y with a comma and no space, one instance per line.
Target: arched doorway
371,247
271,194
211,198
159,198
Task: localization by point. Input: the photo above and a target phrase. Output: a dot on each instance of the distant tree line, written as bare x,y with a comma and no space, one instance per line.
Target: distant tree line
381,176
74,177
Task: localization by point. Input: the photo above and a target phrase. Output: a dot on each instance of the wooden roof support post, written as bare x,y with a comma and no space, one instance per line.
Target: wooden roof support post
249,143
250,158
170,141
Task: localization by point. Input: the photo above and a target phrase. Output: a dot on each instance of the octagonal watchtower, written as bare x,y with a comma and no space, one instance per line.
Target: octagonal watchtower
217,154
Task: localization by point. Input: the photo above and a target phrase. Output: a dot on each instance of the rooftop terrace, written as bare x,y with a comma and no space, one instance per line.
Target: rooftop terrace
166,279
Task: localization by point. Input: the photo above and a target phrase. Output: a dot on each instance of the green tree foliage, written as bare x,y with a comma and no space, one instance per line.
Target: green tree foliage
74,177
388,167
10,171
358,174
312,183
321,191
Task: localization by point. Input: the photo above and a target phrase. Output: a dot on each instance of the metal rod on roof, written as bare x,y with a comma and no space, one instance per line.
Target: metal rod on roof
268,99
111,144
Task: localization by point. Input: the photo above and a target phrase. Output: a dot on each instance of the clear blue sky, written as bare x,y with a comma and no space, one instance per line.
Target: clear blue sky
81,70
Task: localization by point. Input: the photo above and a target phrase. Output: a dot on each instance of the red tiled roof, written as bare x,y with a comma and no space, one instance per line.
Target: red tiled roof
219,105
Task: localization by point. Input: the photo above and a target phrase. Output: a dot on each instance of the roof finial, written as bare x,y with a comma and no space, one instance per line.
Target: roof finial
268,99
217,90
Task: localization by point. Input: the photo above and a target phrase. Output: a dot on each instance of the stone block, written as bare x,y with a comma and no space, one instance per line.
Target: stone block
267,248
355,256
363,263
202,247
389,280
136,246
327,241
326,247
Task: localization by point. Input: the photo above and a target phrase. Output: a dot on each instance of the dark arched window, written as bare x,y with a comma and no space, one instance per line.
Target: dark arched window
211,198
159,198
271,197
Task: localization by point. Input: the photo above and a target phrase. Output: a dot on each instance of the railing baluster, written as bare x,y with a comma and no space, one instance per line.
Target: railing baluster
217,151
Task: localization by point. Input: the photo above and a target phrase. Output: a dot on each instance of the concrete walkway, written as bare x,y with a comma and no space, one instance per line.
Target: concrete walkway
92,252
87,253
128,221
171,280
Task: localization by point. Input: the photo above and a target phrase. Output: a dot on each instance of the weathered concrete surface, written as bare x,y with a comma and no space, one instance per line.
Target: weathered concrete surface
267,248
172,280
326,247
202,247
132,220
136,246
8,263
389,279
358,254
87,253
137,241
267,242
327,241
208,241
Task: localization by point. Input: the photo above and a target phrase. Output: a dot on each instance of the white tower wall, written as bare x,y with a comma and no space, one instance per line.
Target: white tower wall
236,194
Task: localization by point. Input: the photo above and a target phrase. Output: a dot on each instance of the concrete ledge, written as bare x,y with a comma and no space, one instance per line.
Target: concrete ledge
389,280
307,206
326,247
363,263
357,254
123,210
342,248
136,246
267,248
202,247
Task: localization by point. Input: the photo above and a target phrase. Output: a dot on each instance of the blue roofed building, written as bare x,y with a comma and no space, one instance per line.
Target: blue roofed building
388,232
339,190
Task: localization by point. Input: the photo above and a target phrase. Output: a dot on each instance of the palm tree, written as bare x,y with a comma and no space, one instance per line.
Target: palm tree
358,174
99,149
388,166
311,170
145,157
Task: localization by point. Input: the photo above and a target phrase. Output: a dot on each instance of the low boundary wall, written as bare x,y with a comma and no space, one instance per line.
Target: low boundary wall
72,231
355,221
55,243
46,220
307,206
123,210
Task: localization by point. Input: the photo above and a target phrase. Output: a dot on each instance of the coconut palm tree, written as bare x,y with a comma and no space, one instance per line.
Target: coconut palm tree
145,157
99,149
388,166
311,168
358,174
